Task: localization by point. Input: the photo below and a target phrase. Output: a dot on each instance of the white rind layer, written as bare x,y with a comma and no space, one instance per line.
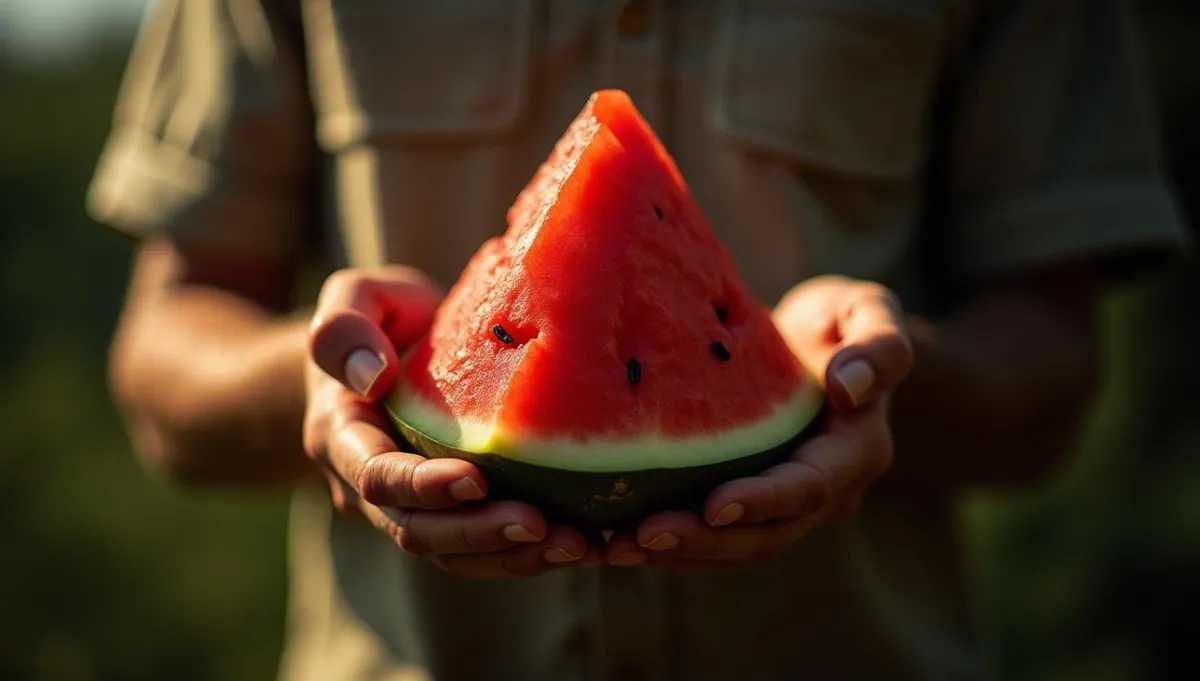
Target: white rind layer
606,455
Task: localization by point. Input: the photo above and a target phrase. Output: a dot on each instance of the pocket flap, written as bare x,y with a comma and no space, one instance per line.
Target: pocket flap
840,85
452,69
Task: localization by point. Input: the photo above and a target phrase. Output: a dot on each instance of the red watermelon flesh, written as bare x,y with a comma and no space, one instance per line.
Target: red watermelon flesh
608,329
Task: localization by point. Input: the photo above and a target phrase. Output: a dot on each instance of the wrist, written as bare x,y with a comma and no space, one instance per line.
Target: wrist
997,397
267,373
235,416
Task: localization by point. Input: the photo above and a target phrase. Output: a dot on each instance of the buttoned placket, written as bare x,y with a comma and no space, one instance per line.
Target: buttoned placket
632,624
634,55
632,633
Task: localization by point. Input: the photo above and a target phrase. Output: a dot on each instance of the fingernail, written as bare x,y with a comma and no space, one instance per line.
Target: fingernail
362,368
518,533
628,559
856,378
730,514
465,489
559,555
663,542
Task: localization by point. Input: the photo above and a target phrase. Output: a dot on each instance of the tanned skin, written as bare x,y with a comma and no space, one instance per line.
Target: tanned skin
222,386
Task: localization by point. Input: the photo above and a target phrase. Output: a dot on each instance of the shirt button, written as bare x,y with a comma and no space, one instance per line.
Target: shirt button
633,21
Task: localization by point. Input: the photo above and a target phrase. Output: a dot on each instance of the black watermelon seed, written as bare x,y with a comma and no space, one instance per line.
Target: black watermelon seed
721,352
635,370
502,334
722,314
658,211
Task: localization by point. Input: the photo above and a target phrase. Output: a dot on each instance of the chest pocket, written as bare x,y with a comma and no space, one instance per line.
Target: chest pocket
414,70
842,86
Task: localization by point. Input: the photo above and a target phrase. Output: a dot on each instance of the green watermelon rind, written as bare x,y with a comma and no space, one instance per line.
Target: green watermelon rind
598,500
613,455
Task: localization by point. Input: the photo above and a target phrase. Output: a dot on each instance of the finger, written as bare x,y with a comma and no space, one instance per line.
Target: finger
851,335
563,547
852,499
874,354
788,490
850,502
368,460
854,450
686,535
478,530
593,557
343,497
834,469
622,550
840,459
362,318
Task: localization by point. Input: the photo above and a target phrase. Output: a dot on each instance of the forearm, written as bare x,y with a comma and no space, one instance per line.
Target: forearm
999,393
212,386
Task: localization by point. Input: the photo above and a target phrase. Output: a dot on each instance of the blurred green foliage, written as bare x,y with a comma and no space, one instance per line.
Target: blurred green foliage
110,575
105,573
1098,577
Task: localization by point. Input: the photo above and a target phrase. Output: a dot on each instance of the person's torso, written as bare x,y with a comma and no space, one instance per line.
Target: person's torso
802,130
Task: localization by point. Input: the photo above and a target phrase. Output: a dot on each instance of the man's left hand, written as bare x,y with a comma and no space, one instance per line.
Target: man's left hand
850,335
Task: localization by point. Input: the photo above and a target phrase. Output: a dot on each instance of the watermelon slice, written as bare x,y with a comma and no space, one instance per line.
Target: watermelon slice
603,359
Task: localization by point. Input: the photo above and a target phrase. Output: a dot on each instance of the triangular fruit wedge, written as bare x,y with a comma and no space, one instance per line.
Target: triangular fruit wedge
603,359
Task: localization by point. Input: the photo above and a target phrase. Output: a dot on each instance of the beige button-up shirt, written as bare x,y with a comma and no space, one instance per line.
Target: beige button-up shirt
922,143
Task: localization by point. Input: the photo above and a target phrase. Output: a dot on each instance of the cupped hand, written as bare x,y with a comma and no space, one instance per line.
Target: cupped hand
429,507
851,335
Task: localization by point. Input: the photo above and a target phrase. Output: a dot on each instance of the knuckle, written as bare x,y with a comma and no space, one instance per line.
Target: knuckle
895,352
414,276
345,277
314,440
885,456
328,334
781,498
823,482
409,540
474,541
884,294
338,417
401,475
415,481
366,483
836,280
882,453
336,284
373,481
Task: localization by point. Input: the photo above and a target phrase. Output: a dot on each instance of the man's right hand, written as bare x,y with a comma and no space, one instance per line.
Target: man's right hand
428,507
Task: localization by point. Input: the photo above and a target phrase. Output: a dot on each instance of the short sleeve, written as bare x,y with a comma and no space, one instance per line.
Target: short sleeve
1053,151
212,139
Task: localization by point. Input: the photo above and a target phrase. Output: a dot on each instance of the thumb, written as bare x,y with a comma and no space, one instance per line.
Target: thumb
874,354
852,338
363,318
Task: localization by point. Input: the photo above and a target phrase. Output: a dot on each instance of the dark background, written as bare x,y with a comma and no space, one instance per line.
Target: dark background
108,574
